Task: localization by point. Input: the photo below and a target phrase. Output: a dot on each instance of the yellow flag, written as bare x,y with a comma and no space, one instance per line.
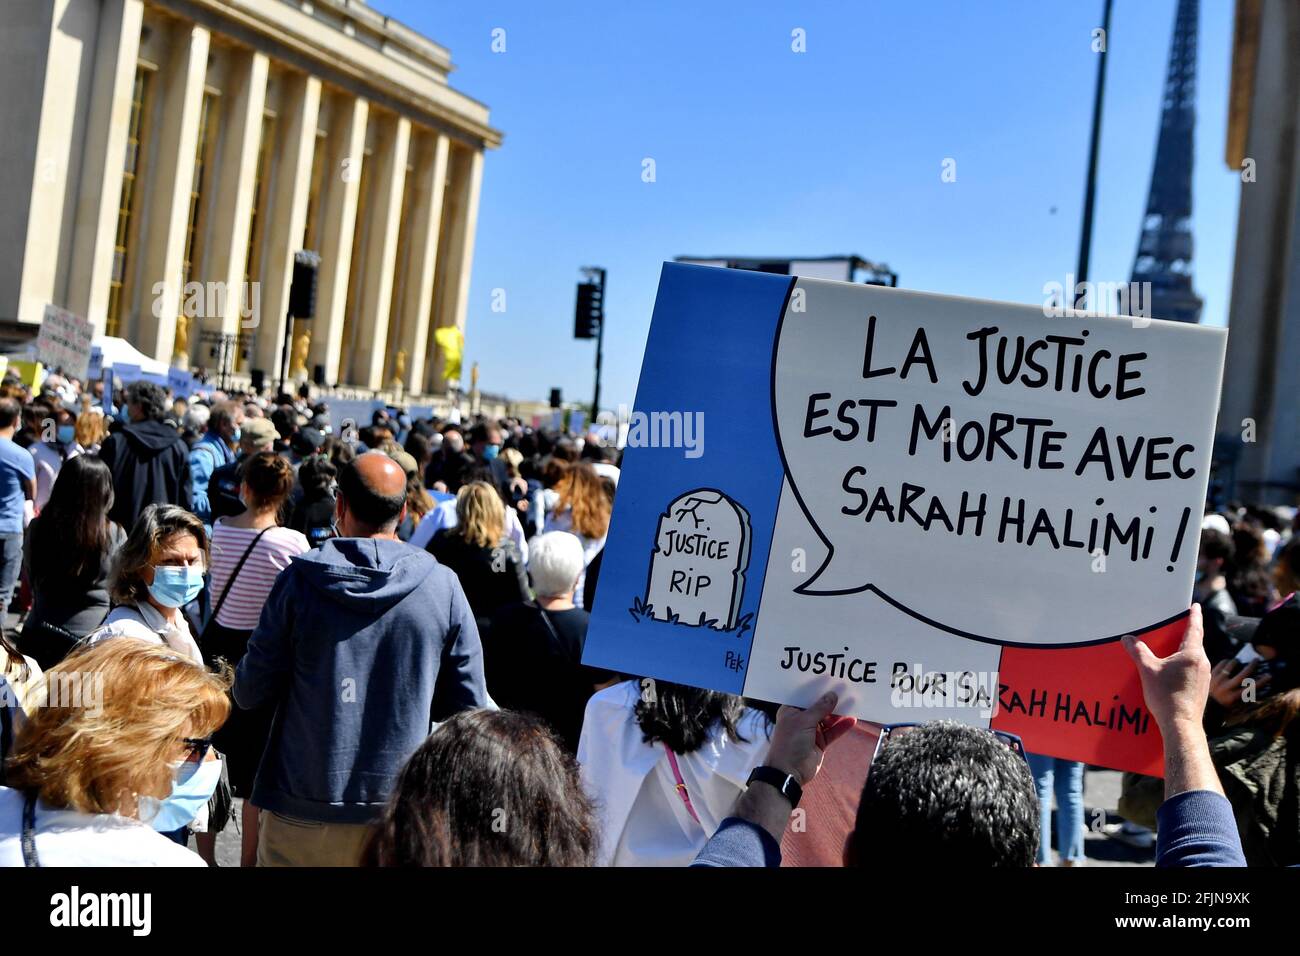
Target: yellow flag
452,342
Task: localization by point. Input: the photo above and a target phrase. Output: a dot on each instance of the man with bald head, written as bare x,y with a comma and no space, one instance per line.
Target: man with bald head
363,644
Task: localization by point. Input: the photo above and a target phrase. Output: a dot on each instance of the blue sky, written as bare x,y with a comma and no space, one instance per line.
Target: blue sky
760,151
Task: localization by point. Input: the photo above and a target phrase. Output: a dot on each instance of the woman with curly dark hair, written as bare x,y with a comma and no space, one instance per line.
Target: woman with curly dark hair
487,788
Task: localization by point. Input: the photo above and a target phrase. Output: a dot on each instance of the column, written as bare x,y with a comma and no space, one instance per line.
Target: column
453,298
232,207
47,73
116,52
294,151
412,321
379,258
180,84
347,142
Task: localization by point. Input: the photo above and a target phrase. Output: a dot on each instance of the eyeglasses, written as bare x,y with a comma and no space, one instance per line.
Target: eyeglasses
1010,740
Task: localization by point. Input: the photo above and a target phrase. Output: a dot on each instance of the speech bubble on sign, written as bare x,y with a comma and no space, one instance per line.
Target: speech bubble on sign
998,474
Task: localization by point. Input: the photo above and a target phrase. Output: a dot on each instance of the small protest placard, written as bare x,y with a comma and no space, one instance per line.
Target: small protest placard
938,507
181,382
63,341
127,372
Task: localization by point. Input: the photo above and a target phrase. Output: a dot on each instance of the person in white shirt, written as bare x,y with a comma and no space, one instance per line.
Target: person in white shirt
52,451
443,515
118,750
664,764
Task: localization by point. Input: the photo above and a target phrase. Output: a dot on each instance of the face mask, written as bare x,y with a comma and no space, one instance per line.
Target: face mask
193,788
236,435
176,586
491,451
66,434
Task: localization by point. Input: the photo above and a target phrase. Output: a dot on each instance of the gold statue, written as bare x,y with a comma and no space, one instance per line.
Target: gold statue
473,377
399,370
298,361
181,349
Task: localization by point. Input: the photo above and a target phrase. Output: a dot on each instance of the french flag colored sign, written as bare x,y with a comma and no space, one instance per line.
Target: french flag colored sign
941,508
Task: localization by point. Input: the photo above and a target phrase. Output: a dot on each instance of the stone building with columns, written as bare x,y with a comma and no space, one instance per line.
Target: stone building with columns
165,159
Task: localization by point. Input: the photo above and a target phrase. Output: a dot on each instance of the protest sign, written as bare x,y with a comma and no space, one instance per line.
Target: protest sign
63,341
938,507
31,374
181,382
349,415
127,372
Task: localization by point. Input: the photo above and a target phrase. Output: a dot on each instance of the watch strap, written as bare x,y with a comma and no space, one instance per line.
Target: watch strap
785,783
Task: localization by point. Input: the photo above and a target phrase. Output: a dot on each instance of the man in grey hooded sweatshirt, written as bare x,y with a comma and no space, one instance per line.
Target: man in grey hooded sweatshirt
362,645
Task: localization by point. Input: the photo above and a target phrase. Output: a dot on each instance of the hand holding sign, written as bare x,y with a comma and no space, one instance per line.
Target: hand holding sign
1176,687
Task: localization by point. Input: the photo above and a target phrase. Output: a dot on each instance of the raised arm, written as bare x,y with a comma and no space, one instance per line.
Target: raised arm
1195,823
751,836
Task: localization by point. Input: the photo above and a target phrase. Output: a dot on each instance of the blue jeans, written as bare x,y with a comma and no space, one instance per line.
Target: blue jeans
11,565
1065,777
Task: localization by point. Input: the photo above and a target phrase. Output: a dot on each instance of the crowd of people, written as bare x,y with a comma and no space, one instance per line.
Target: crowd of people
373,637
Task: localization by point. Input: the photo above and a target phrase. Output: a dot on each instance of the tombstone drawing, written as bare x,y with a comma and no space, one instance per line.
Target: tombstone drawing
697,568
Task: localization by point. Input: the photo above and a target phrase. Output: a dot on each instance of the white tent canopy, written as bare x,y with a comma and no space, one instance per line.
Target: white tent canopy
115,351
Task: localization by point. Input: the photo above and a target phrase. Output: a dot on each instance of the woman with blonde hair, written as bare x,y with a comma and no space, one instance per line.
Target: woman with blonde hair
487,561
582,508
119,750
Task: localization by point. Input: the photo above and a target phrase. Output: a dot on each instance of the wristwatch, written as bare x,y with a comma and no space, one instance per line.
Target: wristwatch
784,782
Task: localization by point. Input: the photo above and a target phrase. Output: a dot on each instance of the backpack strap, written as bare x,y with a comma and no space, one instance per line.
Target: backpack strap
30,858
6,729
235,573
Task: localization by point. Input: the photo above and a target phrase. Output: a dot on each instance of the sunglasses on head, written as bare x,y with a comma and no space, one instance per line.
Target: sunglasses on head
1011,741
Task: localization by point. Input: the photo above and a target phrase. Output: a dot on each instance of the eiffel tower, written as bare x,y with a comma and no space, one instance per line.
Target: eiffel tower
1164,255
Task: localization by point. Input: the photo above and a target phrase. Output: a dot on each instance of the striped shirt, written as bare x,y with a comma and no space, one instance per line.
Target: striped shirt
243,604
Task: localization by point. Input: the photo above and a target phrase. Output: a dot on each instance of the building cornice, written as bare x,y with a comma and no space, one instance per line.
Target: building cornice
401,72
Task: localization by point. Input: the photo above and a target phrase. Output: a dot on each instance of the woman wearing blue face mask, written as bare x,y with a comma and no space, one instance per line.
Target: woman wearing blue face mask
58,443
157,573
95,777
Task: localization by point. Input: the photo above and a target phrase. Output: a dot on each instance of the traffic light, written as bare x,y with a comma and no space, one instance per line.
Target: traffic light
590,311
